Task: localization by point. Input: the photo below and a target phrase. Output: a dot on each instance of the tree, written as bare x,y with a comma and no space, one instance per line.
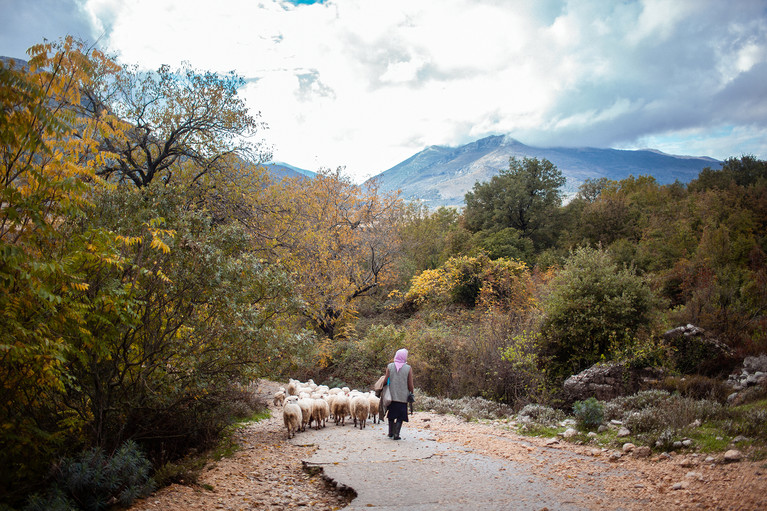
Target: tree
48,156
176,117
523,197
594,308
338,240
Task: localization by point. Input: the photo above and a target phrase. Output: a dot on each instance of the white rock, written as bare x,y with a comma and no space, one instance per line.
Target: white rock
592,434
628,447
733,455
569,433
623,432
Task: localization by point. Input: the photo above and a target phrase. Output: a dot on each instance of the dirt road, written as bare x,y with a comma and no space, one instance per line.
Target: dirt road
444,462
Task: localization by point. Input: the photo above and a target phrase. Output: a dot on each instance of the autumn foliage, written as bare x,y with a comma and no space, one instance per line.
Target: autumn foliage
150,268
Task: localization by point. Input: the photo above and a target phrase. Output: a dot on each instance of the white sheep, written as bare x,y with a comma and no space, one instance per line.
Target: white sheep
306,409
320,412
279,397
360,408
374,402
293,387
292,415
340,409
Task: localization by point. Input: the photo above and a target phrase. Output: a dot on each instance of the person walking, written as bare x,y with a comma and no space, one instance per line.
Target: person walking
399,376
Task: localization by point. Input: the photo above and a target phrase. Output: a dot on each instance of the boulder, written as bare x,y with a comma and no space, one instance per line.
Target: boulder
696,351
733,455
608,381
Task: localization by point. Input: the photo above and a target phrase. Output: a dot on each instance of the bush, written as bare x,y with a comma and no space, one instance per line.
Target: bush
594,309
93,481
541,414
698,387
589,413
639,401
470,408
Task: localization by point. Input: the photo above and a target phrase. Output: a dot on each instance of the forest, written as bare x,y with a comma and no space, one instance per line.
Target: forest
151,268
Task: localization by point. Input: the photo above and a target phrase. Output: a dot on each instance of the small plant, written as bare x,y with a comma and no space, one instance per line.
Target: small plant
665,440
589,413
94,481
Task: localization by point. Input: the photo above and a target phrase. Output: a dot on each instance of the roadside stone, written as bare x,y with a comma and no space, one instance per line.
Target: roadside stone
569,433
733,455
642,451
740,438
615,456
592,434
628,447
623,432
552,441
602,428
687,443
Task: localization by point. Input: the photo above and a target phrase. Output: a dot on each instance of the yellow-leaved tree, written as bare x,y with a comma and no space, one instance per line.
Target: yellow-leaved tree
49,152
337,239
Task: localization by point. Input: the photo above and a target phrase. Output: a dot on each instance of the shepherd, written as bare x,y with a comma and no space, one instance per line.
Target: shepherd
399,377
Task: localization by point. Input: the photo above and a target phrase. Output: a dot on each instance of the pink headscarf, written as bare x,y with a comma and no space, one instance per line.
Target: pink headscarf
400,358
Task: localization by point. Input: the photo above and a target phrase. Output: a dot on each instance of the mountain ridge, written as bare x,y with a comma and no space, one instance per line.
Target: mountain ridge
441,175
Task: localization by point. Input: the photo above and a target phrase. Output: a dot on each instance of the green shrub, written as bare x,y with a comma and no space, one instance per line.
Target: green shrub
94,481
589,413
594,308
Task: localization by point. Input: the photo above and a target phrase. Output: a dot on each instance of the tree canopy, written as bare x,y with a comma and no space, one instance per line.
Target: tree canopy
523,197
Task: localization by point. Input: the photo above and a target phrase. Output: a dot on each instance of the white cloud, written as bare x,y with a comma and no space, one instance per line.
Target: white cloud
367,83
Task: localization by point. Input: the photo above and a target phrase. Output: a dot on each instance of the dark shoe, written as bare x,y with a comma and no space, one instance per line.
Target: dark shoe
397,428
391,429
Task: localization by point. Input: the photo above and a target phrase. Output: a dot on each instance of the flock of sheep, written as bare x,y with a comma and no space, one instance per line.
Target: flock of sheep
307,403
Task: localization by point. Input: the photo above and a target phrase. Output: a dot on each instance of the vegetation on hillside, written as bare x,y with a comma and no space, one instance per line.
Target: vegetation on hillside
150,268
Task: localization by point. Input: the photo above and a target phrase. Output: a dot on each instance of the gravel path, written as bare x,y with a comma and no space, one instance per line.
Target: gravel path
269,472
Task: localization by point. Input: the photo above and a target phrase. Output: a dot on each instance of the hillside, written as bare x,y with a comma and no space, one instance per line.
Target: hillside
441,176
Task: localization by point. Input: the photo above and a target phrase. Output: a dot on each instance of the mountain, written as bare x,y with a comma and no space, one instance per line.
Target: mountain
441,176
282,170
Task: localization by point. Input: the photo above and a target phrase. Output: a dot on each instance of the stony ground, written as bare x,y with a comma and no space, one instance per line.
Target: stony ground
267,472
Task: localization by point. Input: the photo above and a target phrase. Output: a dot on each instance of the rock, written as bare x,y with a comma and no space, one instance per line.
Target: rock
738,439
687,442
602,428
710,459
569,433
607,381
628,447
695,424
615,456
677,444
552,441
680,486
733,455
592,434
688,462
694,475
623,432
642,451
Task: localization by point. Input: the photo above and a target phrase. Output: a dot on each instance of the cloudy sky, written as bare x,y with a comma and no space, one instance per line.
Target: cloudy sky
366,84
